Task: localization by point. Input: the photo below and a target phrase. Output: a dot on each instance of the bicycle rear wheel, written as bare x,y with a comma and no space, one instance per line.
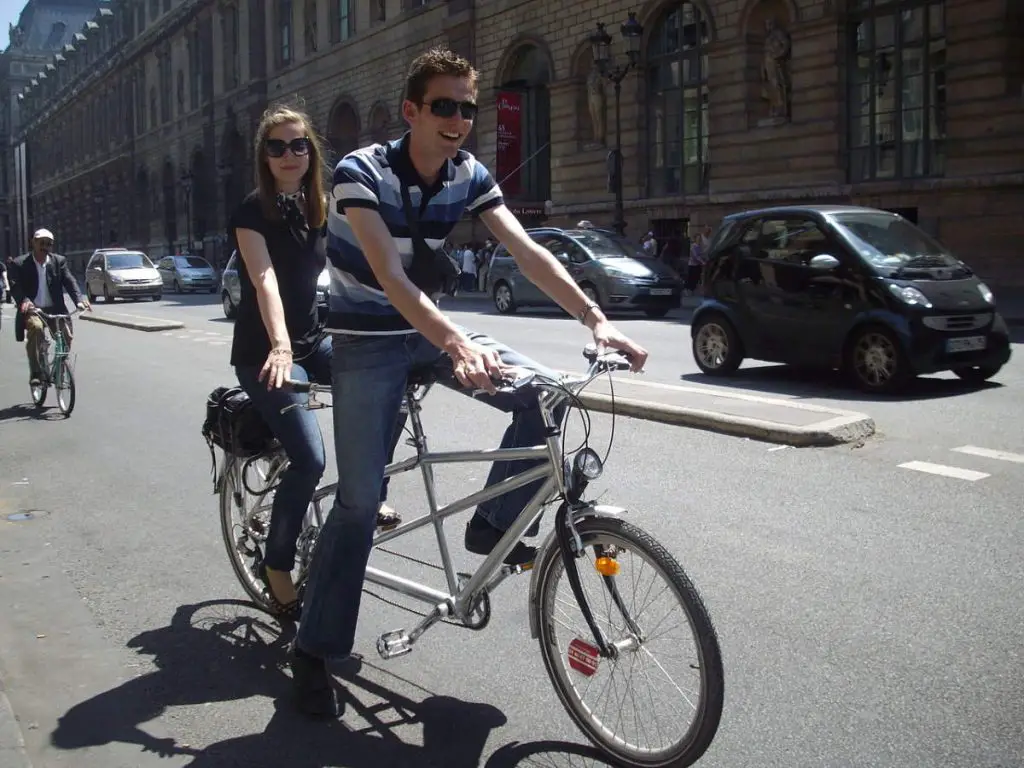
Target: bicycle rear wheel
38,391
589,685
65,388
246,496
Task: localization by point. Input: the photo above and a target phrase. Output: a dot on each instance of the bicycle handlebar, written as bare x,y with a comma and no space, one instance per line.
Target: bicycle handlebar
47,316
600,362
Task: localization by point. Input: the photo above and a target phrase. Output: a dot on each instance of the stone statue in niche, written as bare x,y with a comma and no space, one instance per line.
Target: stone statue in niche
17,35
775,82
596,104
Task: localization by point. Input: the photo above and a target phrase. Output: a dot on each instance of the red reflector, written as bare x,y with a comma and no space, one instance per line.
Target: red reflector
584,657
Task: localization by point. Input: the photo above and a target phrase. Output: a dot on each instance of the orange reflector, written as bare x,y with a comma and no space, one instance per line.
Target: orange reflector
607,566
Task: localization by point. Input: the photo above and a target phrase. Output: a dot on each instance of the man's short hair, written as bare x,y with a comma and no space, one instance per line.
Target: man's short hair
434,63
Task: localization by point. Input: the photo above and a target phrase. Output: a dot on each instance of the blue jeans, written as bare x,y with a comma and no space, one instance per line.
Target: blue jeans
299,435
369,382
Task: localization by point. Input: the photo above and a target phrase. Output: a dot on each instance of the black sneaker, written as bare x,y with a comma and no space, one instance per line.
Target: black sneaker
482,538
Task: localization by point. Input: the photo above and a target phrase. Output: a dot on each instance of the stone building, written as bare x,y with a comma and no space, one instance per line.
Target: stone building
42,30
910,105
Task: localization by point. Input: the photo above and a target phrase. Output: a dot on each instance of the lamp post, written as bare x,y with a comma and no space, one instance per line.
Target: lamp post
600,43
186,186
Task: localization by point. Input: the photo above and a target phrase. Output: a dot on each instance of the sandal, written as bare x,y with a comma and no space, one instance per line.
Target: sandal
290,611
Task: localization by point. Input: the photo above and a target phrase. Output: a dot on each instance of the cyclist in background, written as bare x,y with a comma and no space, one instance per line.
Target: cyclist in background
39,281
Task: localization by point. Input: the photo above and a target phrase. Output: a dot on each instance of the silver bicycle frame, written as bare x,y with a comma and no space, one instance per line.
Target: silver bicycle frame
459,601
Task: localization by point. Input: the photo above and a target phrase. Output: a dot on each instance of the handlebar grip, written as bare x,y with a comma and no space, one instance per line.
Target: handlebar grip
302,387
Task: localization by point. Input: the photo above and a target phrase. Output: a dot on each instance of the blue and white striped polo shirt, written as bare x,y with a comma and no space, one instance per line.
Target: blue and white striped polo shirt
370,178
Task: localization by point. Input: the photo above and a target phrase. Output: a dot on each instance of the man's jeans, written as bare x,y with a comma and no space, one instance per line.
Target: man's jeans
35,332
369,382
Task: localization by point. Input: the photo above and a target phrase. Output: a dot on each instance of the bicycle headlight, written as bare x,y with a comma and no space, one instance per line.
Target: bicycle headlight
587,465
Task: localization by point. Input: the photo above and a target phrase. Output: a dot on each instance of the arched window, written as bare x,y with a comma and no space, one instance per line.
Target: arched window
342,130
897,89
677,84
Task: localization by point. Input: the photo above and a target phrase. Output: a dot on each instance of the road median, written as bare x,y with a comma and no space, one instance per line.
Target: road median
774,420
134,322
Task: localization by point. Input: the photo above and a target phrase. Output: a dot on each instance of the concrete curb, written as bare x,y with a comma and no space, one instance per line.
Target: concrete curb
843,427
140,324
12,743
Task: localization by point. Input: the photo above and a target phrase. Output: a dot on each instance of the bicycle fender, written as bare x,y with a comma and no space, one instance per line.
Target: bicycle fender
590,510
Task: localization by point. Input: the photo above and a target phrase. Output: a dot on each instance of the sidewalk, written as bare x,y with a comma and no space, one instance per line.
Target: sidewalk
770,419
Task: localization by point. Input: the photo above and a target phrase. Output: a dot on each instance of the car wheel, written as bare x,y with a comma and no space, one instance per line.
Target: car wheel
229,307
107,298
90,295
591,293
504,301
976,374
717,349
875,360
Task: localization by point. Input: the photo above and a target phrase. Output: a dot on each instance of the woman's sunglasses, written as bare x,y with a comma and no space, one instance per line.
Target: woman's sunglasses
277,147
448,107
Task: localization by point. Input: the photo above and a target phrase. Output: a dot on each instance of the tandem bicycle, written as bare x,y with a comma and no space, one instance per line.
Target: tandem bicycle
593,561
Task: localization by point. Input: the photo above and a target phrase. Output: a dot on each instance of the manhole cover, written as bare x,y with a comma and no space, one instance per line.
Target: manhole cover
28,514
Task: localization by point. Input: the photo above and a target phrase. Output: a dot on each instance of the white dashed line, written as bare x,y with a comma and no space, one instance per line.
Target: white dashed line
988,453
941,469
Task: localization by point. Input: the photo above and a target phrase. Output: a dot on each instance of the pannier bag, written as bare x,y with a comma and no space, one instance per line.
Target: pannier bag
234,425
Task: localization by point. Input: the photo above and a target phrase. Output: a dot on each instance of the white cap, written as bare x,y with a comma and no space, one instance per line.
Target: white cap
43,234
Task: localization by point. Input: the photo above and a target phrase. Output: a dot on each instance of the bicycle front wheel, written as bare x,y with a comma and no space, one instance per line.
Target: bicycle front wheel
65,388
667,662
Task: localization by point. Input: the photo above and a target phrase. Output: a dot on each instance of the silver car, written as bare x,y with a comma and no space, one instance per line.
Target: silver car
121,274
182,273
611,270
231,291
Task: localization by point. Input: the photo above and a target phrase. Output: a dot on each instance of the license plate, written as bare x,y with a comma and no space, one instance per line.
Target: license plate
965,344
661,291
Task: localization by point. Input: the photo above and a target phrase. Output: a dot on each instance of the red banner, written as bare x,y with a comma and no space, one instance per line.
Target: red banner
510,142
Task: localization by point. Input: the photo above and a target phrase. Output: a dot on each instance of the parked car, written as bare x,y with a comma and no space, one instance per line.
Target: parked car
844,287
230,292
183,272
121,274
613,271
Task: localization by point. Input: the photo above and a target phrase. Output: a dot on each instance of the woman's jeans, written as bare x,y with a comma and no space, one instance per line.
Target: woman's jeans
369,383
299,435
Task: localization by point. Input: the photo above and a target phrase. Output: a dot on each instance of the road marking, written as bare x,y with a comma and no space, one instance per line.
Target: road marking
988,453
941,469
218,343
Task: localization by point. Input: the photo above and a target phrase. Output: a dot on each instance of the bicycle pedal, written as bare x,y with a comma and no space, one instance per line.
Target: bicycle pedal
393,644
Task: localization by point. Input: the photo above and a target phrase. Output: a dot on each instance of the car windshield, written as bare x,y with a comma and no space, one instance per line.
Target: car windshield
192,262
128,261
891,242
605,245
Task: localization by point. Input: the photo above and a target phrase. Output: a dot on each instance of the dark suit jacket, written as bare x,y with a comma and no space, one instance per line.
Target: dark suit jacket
24,280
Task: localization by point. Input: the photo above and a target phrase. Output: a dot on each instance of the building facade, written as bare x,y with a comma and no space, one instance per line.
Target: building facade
44,27
144,133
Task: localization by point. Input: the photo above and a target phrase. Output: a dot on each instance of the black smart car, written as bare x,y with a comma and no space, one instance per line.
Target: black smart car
844,287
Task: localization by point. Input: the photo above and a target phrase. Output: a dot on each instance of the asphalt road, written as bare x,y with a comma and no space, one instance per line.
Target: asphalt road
869,614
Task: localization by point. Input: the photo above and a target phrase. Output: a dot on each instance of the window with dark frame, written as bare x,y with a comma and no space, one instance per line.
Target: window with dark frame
677,89
341,22
284,26
897,89
232,47
195,70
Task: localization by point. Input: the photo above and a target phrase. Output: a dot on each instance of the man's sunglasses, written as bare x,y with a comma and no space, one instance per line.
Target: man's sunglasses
448,108
277,147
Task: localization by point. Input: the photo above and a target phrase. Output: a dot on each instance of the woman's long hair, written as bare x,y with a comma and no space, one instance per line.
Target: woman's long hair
312,182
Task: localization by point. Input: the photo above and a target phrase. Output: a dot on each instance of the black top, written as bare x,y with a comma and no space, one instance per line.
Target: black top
298,258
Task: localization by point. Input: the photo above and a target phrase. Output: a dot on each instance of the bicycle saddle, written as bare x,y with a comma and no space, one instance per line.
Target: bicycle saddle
425,375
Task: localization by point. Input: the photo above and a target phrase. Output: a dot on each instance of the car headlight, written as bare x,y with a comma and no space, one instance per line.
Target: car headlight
116,279
986,293
909,295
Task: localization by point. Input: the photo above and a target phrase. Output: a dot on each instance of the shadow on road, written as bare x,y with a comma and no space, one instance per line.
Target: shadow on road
28,412
547,754
811,383
224,651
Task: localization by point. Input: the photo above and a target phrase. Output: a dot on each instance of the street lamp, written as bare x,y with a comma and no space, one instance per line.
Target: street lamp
186,185
600,44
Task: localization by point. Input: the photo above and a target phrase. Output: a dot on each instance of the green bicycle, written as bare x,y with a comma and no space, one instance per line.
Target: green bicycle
58,370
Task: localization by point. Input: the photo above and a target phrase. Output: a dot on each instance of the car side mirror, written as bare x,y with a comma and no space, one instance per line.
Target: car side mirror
824,262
